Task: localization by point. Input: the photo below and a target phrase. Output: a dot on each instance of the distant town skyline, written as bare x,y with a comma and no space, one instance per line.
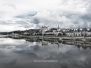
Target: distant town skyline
32,14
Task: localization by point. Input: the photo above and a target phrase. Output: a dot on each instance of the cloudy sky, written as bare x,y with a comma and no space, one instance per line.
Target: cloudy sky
26,14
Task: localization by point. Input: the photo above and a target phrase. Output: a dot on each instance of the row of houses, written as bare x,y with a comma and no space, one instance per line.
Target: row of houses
66,32
56,32
78,32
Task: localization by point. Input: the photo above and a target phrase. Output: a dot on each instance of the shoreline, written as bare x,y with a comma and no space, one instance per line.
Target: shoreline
82,38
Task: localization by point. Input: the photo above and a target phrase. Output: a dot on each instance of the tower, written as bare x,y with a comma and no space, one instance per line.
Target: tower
58,29
44,29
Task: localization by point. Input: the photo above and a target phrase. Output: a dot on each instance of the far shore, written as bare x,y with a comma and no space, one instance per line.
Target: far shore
81,38
61,37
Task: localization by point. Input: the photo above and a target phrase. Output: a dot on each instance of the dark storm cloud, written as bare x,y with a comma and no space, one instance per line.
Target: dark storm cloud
36,21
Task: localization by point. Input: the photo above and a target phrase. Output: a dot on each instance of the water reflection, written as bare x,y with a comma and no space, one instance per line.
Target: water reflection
46,42
20,53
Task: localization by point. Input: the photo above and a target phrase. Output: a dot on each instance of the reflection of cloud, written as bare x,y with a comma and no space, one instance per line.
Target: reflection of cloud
51,50
35,48
68,56
25,52
13,62
2,55
11,41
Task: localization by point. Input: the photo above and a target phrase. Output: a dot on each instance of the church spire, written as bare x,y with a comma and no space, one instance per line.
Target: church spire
58,26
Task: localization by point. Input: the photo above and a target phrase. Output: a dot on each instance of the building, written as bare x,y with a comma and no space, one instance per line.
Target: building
44,29
78,32
52,31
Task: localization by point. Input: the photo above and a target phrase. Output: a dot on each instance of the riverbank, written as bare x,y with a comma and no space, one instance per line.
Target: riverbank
3,36
50,37
88,39
60,37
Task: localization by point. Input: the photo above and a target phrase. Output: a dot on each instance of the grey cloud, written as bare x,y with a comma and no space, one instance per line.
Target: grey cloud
25,24
20,22
87,15
36,21
75,19
26,16
75,22
86,18
65,19
8,22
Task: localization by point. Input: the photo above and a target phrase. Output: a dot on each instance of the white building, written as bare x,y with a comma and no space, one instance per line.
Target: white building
44,29
78,32
54,31
14,35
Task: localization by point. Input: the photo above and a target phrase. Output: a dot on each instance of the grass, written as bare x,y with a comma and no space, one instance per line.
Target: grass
78,39
89,40
66,39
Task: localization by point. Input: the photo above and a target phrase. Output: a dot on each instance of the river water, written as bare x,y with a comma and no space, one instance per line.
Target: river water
19,53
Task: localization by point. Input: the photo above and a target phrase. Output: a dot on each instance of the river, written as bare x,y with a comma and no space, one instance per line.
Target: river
19,53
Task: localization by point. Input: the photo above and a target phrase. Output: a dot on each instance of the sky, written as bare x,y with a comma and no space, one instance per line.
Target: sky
31,14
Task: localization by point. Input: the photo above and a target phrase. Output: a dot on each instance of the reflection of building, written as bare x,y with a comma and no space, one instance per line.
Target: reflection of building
47,42
77,44
80,44
44,43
